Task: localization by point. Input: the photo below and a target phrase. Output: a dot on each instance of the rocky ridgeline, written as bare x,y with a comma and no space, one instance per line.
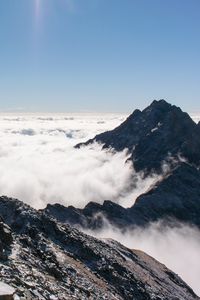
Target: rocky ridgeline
44,259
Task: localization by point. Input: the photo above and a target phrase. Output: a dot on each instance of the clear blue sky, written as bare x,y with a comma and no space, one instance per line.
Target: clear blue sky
99,55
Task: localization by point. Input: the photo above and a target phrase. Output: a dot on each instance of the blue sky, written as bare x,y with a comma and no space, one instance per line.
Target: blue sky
99,55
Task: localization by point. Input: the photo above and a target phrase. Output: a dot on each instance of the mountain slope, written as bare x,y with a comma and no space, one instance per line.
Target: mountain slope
43,259
153,135
177,196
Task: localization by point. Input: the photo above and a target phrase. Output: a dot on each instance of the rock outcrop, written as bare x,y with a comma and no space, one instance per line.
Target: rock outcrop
50,260
6,292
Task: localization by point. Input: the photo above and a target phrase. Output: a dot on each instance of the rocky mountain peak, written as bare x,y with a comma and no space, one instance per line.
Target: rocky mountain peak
161,105
159,132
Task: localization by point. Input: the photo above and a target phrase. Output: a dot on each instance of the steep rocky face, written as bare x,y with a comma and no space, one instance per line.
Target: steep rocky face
153,135
5,240
49,260
174,199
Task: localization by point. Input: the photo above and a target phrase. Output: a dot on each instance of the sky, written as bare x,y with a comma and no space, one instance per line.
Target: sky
98,55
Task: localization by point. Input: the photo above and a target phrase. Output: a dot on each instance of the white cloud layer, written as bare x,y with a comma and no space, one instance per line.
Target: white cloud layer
39,165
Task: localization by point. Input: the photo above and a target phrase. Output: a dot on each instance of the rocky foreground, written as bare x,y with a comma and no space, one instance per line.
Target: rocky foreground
44,259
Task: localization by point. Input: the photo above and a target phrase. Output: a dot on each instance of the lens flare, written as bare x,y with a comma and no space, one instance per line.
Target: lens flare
37,10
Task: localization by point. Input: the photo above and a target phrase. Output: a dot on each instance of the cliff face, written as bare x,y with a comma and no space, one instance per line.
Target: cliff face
44,259
153,135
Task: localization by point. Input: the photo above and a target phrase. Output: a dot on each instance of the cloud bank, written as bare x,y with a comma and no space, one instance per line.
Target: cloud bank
39,165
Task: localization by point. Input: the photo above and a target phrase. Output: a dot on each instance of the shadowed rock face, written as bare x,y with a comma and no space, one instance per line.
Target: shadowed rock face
153,135
5,240
49,260
177,196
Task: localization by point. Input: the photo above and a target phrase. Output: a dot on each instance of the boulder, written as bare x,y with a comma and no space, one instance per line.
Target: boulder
6,292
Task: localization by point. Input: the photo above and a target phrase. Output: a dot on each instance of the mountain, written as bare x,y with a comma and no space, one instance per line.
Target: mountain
156,134
44,259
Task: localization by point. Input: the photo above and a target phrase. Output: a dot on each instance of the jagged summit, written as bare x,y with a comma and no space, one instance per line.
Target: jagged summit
161,103
157,133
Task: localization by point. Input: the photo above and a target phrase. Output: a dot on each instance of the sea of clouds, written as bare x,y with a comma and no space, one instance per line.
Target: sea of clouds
39,165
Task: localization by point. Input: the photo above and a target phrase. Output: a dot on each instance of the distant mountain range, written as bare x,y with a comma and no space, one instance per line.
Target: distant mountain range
43,257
